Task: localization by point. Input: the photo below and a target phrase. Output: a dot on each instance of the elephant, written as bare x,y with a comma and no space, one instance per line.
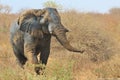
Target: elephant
33,33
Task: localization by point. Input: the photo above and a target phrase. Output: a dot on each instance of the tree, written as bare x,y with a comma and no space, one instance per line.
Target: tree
52,4
5,8
115,11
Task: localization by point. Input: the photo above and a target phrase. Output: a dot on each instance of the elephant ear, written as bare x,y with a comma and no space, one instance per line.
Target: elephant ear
33,27
27,24
28,18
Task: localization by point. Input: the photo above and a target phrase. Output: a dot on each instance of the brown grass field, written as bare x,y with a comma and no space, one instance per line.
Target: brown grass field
98,34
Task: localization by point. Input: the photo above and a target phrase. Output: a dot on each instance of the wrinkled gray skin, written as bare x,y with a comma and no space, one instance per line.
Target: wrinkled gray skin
21,38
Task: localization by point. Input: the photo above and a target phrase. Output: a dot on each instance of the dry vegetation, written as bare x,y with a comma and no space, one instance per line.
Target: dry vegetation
97,33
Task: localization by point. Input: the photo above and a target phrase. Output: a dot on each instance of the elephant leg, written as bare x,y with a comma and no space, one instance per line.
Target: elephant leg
35,61
45,51
19,53
44,56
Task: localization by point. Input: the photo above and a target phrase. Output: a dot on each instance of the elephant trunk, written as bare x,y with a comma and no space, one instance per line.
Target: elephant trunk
60,35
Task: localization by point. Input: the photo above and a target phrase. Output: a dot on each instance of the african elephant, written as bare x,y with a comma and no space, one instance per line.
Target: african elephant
34,33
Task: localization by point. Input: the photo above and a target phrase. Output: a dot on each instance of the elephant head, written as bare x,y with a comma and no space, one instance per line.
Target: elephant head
52,19
36,22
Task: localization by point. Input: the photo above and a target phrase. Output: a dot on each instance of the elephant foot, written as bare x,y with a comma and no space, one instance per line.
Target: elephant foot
39,71
21,63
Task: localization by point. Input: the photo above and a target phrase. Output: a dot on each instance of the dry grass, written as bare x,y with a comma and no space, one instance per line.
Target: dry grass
97,33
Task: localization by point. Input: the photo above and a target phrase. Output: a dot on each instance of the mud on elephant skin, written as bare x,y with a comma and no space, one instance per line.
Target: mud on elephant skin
32,32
